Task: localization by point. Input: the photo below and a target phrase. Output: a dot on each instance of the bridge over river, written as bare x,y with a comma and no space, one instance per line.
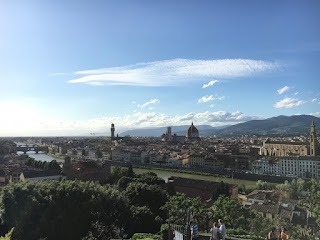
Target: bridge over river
33,147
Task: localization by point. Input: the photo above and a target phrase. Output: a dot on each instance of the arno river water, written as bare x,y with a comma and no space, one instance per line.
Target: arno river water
39,156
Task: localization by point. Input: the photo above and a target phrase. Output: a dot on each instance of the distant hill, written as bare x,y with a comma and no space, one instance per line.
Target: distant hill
281,125
157,132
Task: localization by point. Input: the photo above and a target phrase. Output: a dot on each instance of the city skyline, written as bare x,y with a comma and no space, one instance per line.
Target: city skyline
73,68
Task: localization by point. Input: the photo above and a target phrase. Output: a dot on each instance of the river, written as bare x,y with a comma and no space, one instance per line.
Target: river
39,156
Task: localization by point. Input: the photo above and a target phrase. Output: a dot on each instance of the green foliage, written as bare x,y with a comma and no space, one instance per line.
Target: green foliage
223,189
70,209
152,196
146,201
312,202
164,230
150,178
144,220
8,235
124,181
116,174
146,236
263,185
232,212
180,208
130,172
43,164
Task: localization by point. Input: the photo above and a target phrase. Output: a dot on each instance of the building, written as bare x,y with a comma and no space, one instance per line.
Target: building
271,204
304,167
192,133
266,166
200,188
40,175
290,159
293,148
112,131
283,148
197,159
86,170
168,137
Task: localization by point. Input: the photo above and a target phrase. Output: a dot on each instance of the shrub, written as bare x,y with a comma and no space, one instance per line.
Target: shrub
146,236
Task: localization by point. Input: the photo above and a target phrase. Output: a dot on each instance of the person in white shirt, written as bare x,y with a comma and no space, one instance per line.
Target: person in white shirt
222,229
214,231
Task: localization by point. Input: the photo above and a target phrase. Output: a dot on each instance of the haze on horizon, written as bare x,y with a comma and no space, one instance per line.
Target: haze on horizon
74,67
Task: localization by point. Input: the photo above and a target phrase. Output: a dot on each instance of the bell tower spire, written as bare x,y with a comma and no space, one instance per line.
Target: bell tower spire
112,131
313,140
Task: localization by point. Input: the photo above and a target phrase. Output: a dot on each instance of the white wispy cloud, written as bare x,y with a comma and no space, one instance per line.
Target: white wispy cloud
288,103
314,100
174,72
282,90
205,99
151,101
209,98
223,116
296,93
186,117
211,83
95,83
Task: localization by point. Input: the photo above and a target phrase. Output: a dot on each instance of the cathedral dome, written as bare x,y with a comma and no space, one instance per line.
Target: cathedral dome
192,132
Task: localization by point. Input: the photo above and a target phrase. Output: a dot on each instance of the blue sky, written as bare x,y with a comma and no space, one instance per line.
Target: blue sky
74,67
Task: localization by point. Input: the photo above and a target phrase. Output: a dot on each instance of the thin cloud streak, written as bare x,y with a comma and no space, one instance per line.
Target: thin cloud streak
209,98
174,72
151,101
283,90
209,84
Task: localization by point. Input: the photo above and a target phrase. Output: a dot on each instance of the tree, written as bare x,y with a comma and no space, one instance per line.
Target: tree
312,202
146,201
116,174
150,178
63,210
124,181
144,220
231,211
181,208
263,185
152,196
130,172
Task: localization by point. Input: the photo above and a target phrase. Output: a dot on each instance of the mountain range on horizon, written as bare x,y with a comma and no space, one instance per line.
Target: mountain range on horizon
280,125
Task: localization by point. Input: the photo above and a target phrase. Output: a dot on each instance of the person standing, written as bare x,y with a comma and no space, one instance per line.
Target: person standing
284,235
215,231
222,229
272,234
194,230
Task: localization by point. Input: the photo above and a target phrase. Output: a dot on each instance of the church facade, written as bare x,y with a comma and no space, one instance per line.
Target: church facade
283,149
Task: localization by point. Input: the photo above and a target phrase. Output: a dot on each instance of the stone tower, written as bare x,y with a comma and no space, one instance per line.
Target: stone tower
313,140
112,131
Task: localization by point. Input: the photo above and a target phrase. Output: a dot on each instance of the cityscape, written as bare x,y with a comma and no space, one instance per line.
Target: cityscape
159,120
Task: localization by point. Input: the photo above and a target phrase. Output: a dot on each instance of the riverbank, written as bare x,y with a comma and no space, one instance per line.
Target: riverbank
55,156
166,173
